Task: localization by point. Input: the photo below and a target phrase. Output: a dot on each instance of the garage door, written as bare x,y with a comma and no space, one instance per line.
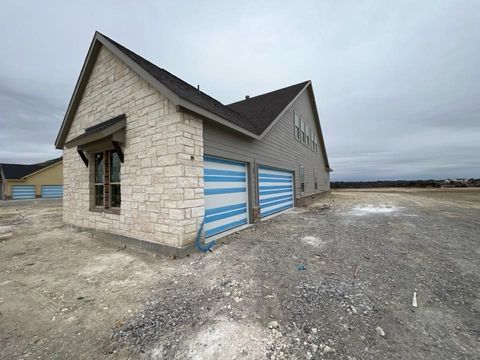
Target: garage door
20,192
226,195
52,191
275,188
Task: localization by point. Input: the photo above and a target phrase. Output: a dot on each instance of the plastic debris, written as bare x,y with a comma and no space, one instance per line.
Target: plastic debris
414,301
380,331
301,267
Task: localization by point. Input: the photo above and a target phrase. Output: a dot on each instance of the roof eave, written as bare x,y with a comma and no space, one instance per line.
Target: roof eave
317,117
322,141
272,124
42,169
78,90
99,40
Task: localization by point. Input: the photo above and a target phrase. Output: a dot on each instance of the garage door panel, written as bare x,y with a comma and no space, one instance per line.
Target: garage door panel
223,172
20,192
272,210
226,200
217,201
275,200
52,191
233,184
275,189
221,228
221,209
226,214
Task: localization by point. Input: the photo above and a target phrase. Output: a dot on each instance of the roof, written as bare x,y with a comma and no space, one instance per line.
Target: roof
262,110
187,91
252,117
99,131
18,171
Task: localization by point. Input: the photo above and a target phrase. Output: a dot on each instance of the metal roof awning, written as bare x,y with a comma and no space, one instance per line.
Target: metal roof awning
107,131
108,135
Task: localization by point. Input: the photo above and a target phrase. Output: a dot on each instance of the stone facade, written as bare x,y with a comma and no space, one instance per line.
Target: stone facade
162,173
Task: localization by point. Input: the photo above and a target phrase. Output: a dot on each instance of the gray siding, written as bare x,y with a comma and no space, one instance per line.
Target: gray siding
278,148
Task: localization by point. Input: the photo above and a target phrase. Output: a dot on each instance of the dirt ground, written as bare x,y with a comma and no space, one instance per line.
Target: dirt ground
335,280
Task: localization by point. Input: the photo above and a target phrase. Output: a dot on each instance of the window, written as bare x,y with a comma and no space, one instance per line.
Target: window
99,164
304,133
302,179
297,126
106,191
302,129
115,193
315,178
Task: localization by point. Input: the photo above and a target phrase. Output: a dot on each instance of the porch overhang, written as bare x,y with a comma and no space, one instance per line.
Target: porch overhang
100,137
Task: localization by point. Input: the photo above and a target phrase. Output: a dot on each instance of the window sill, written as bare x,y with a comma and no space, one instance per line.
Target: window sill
108,211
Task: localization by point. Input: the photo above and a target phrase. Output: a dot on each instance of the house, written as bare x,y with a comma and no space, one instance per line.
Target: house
148,158
42,180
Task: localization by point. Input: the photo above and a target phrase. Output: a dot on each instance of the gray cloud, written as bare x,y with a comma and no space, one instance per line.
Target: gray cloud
396,83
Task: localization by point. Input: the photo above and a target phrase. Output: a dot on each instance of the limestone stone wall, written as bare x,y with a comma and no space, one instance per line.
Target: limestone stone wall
162,173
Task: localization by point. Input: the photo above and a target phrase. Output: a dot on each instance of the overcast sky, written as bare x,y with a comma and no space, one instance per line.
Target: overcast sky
397,84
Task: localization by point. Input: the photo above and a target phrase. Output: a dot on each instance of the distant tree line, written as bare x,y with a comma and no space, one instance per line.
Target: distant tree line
431,183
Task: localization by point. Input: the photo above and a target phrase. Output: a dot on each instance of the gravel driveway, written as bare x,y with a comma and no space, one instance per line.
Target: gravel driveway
335,280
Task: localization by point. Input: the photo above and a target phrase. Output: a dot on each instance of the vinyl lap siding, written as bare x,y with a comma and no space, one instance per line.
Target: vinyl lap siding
278,148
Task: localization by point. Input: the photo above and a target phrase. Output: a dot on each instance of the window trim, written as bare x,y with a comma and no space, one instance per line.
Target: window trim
98,184
106,184
110,183
296,126
309,134
302,130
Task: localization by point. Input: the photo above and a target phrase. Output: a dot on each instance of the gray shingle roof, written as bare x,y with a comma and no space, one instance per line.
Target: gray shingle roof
253,115
18,171
263,109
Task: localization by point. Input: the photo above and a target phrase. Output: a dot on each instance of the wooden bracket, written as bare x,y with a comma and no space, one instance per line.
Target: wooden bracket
118,150
84,158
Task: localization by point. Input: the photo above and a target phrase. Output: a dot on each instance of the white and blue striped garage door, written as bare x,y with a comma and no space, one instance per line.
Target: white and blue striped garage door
226,195
20,192
275,189
52,191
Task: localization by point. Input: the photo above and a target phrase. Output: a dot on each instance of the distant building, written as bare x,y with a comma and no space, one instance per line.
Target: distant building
42,180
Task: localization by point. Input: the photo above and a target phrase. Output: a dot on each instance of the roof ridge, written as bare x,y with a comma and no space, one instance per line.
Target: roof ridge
271,92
